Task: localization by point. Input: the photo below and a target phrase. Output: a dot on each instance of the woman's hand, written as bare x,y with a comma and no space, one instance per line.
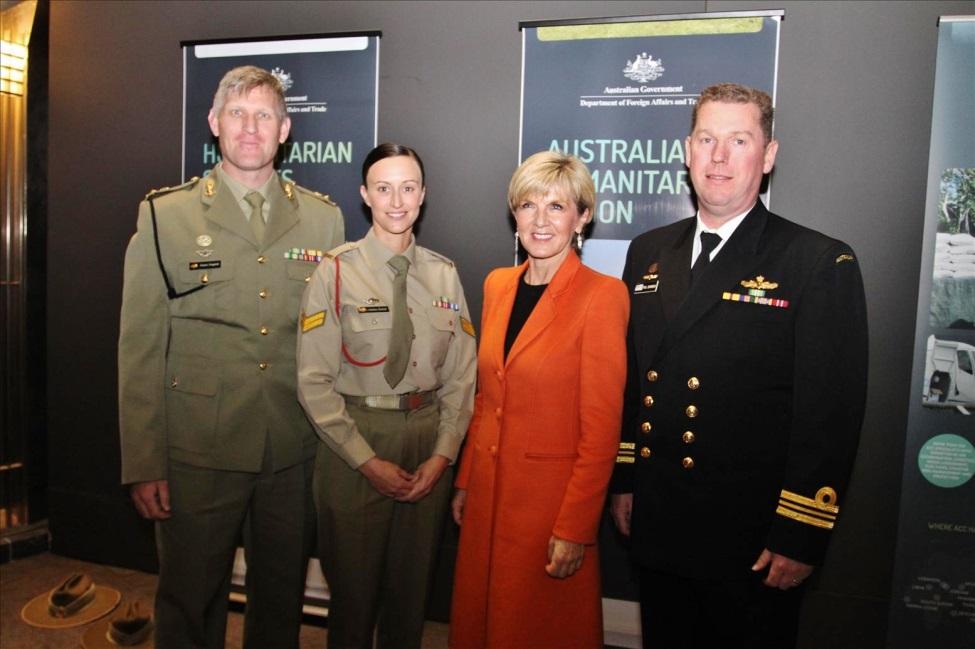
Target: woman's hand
425,479
457,505
564,557
387,478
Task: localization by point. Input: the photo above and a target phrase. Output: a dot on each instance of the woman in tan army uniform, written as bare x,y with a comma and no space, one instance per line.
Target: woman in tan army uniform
386,368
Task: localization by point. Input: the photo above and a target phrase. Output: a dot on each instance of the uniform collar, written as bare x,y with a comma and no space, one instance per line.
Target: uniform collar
377,254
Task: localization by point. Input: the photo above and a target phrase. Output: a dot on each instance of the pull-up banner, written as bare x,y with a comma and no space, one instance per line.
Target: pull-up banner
618,93
933,594
331,92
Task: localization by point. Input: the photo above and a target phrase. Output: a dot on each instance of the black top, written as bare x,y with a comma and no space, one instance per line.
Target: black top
526,298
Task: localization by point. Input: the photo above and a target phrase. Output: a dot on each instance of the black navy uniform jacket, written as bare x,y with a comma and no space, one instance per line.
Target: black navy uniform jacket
744,396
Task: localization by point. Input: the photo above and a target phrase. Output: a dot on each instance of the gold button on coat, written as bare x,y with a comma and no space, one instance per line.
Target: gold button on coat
261,259
691,411
651,375
263,331
263,366
204,278
644,452
693,383
648,401
645,427
687,437
687,463
263,293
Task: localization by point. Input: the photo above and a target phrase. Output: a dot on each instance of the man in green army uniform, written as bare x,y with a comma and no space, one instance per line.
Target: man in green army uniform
215,446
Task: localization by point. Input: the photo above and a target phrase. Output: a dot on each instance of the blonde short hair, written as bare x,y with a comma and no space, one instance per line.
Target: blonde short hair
548,170
245,78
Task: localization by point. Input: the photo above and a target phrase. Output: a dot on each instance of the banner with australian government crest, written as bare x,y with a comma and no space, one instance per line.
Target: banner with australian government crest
618,93
331,87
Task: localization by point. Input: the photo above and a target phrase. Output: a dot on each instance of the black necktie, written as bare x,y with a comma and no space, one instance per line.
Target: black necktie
709,241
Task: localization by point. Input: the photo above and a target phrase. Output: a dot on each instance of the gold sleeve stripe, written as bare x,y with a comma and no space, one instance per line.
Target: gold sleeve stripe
625,459
823,501
802,518
631,446
467,326
806,510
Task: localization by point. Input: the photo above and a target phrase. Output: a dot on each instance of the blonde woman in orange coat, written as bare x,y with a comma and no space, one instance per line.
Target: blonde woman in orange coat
545,433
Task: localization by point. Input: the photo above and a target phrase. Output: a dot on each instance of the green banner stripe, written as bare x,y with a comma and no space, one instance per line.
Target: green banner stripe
653,28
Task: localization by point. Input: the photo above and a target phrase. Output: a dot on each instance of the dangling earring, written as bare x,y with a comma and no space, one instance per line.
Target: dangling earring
516,249
579,240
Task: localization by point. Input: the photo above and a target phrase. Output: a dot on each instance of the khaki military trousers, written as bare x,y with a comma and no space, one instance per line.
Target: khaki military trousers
213,512
377,554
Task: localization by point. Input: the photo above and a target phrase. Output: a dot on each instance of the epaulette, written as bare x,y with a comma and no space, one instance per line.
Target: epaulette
320,196
342,249
437,256
155,193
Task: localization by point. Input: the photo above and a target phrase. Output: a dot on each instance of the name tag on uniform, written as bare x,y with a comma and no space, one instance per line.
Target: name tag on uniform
373,309
204,265
646,287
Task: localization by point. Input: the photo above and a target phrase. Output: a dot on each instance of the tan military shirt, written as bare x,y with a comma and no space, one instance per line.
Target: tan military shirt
346,321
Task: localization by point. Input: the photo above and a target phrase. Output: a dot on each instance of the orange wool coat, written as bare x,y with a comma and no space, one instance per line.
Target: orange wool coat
539,454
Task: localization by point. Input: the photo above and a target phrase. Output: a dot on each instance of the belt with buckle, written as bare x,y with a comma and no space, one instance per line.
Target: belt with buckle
409,401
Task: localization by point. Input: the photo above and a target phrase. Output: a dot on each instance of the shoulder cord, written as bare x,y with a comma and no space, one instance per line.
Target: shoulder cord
170,291
338,314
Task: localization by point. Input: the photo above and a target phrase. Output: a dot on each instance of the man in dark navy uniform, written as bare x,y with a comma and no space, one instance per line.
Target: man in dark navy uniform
745,396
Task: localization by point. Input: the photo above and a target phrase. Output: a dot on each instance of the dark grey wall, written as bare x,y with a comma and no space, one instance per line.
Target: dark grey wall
854,107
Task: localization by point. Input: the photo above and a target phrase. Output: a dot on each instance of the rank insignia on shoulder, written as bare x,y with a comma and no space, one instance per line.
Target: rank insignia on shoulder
845,257
467,326
209,187
313,321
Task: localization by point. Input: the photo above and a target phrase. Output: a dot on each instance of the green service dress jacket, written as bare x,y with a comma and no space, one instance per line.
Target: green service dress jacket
208,325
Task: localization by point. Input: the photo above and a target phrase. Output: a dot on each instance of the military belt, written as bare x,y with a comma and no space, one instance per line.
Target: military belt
409,401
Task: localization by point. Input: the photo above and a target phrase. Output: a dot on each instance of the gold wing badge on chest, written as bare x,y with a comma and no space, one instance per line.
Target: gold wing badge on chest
757,293
649,282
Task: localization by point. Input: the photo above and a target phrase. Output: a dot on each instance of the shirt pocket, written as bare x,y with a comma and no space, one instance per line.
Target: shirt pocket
442,323
219,289
366,335
192,400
